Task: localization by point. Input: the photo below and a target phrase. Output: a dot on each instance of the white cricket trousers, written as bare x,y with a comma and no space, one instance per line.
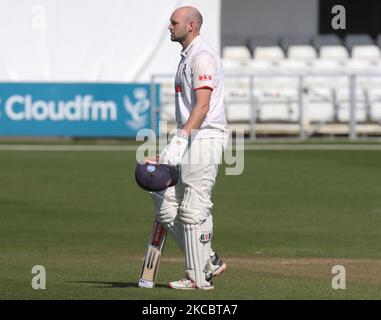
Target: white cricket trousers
185,210
190,199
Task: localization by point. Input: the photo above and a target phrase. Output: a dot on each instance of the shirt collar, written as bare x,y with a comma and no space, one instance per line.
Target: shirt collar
185,52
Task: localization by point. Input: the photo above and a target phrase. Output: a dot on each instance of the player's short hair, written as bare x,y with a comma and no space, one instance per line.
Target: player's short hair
195,15
199,20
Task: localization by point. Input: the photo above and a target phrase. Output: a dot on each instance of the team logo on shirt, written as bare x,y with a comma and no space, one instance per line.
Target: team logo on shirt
204,77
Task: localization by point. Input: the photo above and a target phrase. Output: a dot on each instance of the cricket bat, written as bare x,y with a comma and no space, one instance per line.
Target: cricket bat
152,257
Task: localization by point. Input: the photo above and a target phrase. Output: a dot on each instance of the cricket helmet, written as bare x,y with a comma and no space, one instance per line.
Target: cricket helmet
155,176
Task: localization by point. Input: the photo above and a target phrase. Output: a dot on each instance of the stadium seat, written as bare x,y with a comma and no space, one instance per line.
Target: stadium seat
368,82
344,97
233,66
323,87
326,80
262,41
278,108
274,85
318,91
370,52
343,94
319,111
301,52
352,40
294,40
259,66
268,53
344,113
356,66
237,88
322,102
237,53
374,81
291,66
374,97
274,112
375,111
338,52
326,66
326,40
238,112
275,96
237,98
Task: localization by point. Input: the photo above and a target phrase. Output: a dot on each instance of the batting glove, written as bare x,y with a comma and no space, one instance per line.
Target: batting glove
174,151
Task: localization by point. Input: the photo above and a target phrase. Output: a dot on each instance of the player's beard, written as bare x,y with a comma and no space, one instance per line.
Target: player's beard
180,38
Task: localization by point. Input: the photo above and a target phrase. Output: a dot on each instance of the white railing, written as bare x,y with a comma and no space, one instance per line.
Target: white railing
354,100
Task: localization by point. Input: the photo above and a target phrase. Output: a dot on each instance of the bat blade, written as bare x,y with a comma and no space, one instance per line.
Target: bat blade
152,257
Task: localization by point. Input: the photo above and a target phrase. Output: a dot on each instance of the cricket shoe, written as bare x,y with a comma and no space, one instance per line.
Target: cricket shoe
187,284
216,266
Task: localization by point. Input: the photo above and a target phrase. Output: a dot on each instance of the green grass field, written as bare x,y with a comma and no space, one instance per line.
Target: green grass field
281,226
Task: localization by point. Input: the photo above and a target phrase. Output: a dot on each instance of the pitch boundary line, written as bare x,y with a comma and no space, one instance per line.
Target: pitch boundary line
249,147
78,148
275,147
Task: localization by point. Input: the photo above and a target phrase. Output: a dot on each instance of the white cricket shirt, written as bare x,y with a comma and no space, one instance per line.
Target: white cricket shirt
200,67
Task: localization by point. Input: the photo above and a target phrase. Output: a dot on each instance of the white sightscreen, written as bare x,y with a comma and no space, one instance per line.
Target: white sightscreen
93,40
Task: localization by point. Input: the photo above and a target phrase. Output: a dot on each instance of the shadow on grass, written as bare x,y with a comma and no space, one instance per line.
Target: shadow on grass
103,284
